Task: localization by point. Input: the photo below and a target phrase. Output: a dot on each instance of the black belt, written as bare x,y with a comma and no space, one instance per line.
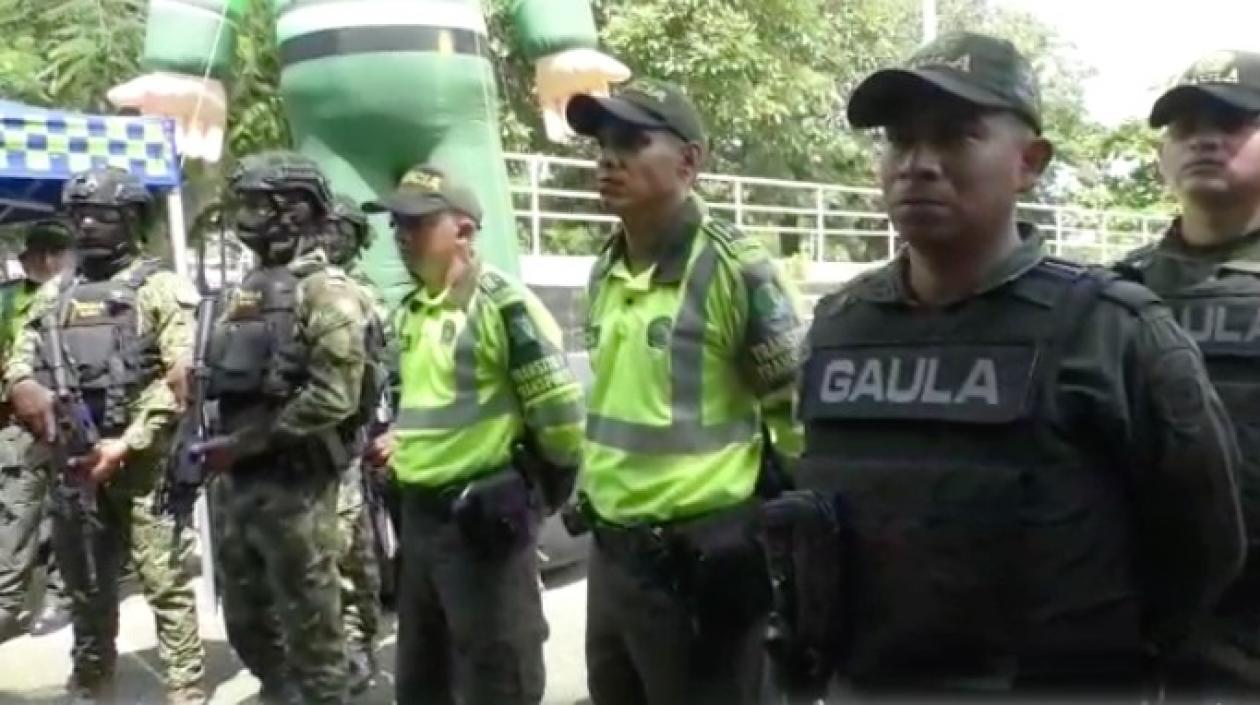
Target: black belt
365,40
437,502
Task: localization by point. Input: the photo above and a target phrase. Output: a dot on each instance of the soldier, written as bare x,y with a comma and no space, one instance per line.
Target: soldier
124,320
483,373
287,359
25,476
693,339
349,234
1207,267
1035,473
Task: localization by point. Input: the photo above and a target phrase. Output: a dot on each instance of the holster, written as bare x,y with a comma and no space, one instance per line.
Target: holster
810,565
496,514
721,571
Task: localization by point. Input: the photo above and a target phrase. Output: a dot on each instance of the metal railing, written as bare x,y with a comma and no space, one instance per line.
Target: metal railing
557,215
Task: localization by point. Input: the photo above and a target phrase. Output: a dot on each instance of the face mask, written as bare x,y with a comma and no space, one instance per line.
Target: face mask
103,239
267,223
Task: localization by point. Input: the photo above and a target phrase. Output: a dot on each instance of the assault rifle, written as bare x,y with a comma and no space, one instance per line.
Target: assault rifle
185,468
376,504
76,437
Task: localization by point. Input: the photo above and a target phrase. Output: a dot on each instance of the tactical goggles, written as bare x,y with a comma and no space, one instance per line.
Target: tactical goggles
107,215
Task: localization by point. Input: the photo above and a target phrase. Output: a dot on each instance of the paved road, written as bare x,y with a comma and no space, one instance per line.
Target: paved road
33,671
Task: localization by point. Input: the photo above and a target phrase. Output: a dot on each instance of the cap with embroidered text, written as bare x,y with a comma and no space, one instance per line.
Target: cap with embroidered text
651,104
424,190
1230,78
978,69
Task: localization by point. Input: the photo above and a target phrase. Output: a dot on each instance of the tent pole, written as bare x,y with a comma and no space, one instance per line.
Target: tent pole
179,237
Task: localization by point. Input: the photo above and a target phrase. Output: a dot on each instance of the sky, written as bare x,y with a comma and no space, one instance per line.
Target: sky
1133,65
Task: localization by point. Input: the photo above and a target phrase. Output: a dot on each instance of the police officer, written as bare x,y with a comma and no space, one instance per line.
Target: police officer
1207,267
1036,473
348,235
288,359
124,320
483,374
24,471
692,339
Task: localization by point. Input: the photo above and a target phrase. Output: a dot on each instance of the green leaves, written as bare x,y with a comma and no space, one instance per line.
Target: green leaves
771,78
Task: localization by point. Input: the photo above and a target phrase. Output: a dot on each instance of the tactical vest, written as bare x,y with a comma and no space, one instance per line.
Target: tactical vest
989,532
106,359
255,358
1222,314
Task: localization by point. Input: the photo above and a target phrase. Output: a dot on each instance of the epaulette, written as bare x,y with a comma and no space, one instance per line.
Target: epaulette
734,243
498,288
1129,295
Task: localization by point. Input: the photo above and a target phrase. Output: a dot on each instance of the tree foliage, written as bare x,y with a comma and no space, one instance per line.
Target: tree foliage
770,76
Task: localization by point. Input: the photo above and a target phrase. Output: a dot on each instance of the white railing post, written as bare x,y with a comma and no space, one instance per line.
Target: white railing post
535,210
820,222
1058,231
739,203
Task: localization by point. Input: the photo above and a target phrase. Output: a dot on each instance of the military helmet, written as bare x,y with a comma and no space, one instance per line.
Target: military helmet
282,170
346,210
109,186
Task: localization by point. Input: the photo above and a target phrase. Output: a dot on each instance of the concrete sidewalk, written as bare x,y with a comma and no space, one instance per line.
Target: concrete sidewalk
34,670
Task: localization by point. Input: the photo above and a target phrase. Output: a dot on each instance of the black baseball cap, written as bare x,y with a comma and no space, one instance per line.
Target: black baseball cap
47,236
645,103
976,68
426,189
1228,77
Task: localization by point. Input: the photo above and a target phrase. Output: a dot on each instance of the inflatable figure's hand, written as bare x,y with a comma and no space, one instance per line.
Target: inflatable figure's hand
198,106
560,76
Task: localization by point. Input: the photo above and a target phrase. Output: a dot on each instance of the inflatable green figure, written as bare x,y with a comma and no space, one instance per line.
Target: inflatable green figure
372,87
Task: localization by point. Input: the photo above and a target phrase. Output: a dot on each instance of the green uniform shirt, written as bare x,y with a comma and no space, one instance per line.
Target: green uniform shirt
480,362
16,298
166,305
690,357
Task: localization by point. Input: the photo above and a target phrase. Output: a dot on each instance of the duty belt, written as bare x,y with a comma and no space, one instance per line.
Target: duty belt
437,502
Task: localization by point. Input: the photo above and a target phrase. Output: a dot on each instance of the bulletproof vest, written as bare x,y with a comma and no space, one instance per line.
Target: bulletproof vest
988,530
255,357
105,357
1222,313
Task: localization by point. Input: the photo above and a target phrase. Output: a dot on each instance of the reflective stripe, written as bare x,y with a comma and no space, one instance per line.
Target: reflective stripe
556,414
454,415
675,439
686,434
465,409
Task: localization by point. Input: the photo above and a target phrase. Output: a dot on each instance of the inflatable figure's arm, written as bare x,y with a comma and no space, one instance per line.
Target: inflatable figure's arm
560,37
188,48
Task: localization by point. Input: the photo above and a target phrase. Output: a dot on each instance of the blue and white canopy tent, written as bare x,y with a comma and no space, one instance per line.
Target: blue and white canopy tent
42,148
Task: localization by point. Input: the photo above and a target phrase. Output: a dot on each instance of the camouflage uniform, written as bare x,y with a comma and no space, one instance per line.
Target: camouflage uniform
349,233
279,540
130,528
24,481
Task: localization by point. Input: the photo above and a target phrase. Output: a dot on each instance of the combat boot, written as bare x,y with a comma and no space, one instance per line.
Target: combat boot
278,692
97,691
363,671
9,626
187,695
53,617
